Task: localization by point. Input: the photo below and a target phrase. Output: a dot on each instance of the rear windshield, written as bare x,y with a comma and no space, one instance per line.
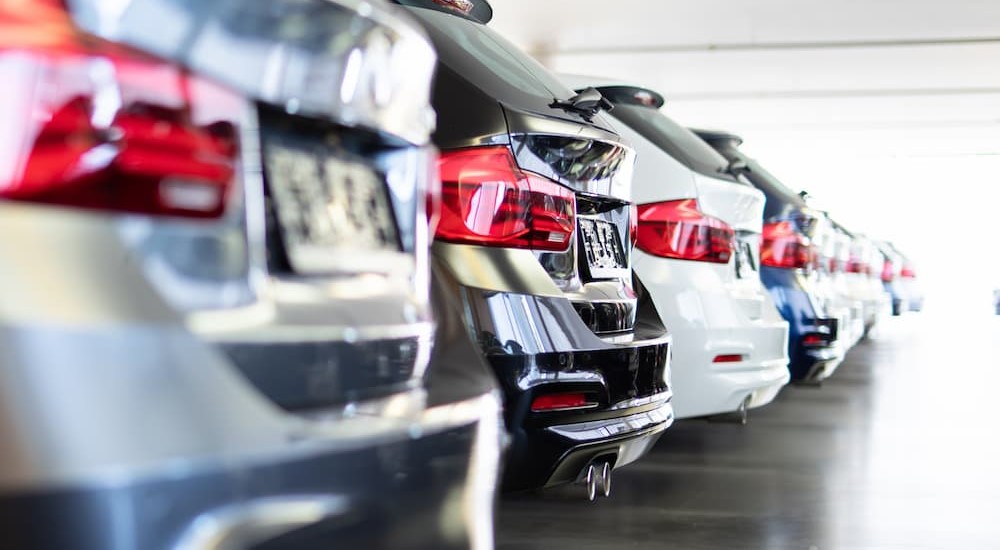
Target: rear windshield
676,140
498,67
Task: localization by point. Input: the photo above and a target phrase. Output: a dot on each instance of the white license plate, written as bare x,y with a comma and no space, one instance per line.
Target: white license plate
327,202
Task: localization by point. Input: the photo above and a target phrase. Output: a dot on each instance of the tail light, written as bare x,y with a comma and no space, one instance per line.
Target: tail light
908,272
90,124
888,272
855,265
783,246
679,230
487,200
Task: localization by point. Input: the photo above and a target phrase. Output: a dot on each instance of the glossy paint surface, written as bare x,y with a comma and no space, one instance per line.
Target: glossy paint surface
861,463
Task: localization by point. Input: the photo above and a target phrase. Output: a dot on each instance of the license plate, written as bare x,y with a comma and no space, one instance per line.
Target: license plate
326,201
602,246
745,266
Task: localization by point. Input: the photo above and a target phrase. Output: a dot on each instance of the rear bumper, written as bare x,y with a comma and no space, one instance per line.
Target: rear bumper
815,364
550,448
390,493
139,437
537,343
709,317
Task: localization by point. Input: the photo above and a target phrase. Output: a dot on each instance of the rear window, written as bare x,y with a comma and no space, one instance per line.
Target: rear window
676,140
495,65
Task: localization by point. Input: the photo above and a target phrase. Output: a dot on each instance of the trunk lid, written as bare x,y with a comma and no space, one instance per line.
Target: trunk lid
595,272
315,280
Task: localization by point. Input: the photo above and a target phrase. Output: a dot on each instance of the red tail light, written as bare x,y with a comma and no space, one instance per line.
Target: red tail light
855,265
888,272
908,272
678,229
782,246
90,124
487,200
561,402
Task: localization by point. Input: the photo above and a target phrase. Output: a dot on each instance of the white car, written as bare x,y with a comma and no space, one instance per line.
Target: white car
697,254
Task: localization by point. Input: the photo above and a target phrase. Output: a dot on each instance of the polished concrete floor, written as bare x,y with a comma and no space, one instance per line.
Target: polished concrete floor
900,449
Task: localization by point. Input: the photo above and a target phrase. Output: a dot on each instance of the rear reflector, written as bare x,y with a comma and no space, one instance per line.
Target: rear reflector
94,125
679,230
560,401
728,358
908,272
487,200
785,247
815,339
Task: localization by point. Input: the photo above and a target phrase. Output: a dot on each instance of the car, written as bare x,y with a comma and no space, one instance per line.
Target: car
866,282
890,275
908,286
697,253
843,291
217,319
534,240
789,266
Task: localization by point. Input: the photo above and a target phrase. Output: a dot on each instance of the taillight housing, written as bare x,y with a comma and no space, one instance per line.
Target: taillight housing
908,272
487,200
95,125
679,230
785,247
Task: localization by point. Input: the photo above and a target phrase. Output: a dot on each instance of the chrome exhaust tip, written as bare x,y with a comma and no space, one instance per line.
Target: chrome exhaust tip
591,482
606,479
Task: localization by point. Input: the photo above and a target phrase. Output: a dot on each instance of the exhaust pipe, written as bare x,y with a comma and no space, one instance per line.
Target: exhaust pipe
740,416
590,482
596,479
606,479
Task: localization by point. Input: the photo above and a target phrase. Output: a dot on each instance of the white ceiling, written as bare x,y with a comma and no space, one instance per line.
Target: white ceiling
888,110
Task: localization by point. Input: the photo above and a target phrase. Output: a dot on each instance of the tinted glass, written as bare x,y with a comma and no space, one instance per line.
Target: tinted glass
676,140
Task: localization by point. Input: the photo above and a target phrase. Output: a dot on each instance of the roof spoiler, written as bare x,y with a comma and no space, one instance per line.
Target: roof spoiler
477,10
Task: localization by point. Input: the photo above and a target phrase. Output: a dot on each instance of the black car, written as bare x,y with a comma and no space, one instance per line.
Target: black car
534,238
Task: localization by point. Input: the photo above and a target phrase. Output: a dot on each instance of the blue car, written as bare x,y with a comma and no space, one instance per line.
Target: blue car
790,267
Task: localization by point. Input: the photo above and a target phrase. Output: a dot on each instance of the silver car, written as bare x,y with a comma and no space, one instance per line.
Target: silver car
215,315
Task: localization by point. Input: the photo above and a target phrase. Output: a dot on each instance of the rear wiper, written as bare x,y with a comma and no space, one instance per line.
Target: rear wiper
587,103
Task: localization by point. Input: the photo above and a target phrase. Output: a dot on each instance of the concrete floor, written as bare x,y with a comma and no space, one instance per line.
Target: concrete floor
900,449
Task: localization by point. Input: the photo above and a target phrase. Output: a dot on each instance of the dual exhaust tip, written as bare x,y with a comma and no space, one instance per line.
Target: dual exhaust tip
596,479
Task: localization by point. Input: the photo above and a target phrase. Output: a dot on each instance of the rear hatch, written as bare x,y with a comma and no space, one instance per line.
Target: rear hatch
311,271
588,259
742,207
718,195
